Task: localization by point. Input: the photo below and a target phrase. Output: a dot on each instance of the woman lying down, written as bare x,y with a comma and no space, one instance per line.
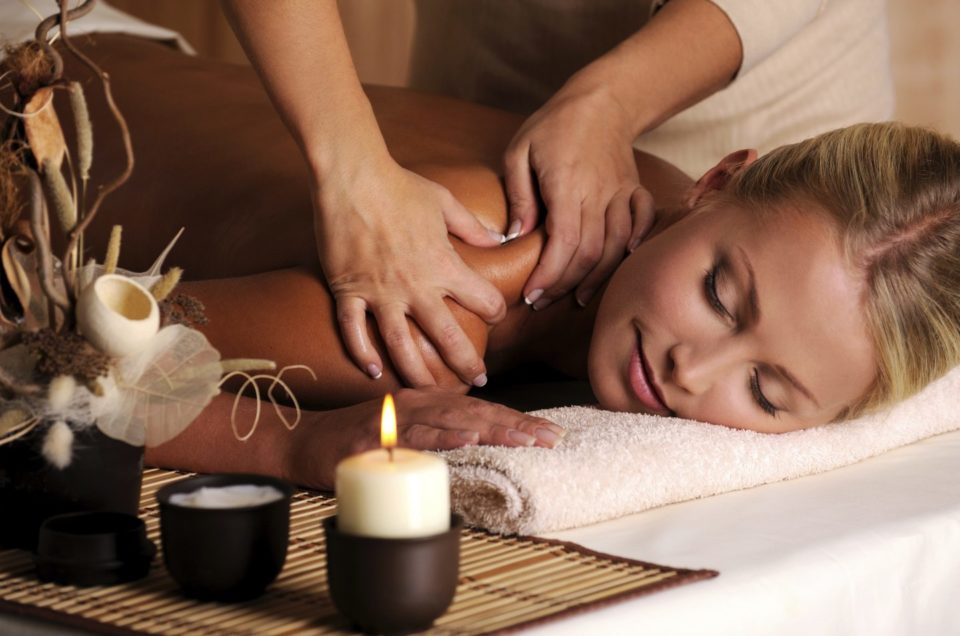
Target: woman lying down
777,293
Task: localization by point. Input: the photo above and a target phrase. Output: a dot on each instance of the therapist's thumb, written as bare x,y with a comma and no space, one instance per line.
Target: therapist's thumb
468,228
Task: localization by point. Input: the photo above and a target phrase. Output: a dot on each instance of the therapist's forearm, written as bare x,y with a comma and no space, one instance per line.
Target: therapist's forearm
688,51
300,52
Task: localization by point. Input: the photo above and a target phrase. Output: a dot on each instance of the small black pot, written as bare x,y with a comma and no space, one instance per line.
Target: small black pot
104,475
224,554
392,586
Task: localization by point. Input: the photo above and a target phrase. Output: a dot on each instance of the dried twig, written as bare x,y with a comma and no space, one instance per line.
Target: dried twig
10,386
41,238
75,234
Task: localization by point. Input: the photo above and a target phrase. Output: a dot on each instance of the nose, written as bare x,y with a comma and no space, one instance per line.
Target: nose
695,367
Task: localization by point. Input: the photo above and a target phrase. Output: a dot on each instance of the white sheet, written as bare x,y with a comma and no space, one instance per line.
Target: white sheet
870,549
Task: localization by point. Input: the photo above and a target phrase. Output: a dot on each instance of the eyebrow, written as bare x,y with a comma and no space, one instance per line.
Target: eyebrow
753,303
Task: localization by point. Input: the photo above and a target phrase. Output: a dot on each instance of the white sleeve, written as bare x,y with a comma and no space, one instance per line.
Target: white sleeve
766,25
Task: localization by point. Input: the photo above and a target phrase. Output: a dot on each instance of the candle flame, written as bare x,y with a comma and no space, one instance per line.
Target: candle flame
388,423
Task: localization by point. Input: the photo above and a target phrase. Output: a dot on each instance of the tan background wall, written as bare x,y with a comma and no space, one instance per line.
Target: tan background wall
926,51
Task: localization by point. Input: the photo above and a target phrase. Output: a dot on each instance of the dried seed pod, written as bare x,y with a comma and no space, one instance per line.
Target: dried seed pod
42,127
113,250
166,284
81,117
58,195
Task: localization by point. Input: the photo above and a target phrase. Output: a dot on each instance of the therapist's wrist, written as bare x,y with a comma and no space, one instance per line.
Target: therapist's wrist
615,103
345,149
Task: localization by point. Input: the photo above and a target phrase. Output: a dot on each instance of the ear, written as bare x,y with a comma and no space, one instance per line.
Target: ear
717,177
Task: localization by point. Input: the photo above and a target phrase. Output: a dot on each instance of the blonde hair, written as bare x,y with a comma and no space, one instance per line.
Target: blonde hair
894,193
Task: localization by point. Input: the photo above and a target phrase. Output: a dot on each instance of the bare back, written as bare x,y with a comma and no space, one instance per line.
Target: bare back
213,157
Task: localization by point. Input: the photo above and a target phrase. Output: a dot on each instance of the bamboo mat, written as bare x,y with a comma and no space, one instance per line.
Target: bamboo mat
505,583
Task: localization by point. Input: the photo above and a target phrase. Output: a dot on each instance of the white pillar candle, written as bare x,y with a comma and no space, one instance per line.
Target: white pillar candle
407,496
392,493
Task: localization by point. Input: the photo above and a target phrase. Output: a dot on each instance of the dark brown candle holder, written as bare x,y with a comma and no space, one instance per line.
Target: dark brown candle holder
392,586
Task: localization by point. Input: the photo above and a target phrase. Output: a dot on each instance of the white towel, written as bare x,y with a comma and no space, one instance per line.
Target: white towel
613,464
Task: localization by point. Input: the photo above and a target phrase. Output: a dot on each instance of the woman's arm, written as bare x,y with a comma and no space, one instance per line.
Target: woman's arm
308,454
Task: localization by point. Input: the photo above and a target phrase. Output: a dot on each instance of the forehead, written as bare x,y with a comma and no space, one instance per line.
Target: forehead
812,320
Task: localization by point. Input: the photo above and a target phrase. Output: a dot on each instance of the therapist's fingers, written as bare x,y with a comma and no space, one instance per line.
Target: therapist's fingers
448,337
474,292
617,232
586,256
352,320
521,190
404,352
643,213
563,238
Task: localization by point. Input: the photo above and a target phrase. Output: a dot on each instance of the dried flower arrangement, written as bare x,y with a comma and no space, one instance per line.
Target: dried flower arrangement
84,343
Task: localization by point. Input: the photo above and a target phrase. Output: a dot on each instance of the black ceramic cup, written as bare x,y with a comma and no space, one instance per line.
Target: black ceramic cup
392,586
224,554
93,548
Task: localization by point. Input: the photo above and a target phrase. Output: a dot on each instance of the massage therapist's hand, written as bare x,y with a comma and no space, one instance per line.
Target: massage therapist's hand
577,149
383,244
427,419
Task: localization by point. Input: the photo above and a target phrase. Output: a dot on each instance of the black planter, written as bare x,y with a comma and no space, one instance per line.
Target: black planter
104,475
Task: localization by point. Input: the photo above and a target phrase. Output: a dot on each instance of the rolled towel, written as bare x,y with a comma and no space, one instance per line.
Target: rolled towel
612,464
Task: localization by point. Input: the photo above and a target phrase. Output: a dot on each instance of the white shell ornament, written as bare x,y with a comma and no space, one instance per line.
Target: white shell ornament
117,315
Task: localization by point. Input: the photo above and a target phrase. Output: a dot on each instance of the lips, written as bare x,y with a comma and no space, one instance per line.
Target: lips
643,384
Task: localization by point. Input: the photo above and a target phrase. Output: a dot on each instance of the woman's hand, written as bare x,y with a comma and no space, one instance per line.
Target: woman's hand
577,150
427,419
383,244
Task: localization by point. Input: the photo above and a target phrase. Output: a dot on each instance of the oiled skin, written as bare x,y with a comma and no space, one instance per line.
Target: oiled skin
212,156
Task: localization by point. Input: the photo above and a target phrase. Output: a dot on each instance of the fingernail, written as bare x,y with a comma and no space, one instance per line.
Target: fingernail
374,371
533,297
547,436
514,230
480,380
470,437
541,304
497,236
521,438
634,244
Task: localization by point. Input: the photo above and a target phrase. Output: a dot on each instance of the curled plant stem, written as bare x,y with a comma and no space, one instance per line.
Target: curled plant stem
43,29
69,273
277,380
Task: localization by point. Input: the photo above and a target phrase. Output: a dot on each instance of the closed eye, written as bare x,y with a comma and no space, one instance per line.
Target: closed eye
710,289
768,407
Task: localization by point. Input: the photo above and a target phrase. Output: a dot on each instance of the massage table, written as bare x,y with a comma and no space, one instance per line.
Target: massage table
871,549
